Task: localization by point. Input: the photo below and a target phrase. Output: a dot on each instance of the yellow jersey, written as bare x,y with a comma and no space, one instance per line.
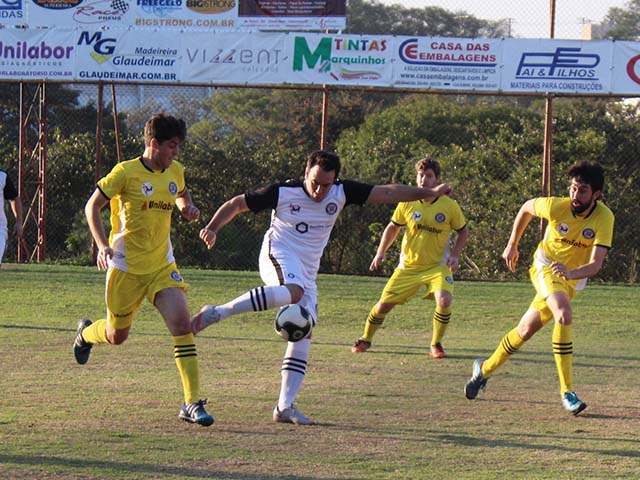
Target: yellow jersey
141,202
568,238
425,243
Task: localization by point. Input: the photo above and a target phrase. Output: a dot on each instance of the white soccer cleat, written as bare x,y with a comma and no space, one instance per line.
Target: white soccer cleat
291,415
207,315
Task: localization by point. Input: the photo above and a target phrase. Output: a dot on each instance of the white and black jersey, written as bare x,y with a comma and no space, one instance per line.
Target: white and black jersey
9,192
300,226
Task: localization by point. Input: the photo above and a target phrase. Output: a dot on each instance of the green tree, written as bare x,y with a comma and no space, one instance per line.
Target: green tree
625,21
375,18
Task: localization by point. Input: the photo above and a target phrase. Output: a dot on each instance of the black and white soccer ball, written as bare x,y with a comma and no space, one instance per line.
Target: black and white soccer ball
293,322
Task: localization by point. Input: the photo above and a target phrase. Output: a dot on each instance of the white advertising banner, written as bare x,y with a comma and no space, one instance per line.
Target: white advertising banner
127,56
340,59
12,12
447,63
79,13
626,68
94,53
557,66
36,54
192,15
259,58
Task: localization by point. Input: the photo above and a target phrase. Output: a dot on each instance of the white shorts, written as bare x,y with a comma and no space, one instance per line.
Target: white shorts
281,268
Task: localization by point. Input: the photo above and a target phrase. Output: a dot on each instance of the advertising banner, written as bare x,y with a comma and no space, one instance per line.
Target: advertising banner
192,15
626,68
36,54
12,12
557,66
447,63
292,14
258,58
340,59
131,56
79,13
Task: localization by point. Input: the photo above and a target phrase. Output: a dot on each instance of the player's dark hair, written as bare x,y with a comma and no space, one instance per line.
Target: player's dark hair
590,173
428,163
329,162
164,127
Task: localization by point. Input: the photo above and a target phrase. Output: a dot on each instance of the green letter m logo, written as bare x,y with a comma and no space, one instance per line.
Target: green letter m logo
301,52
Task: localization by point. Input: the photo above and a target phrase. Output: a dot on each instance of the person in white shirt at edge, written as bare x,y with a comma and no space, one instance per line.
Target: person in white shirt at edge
9,193
304,212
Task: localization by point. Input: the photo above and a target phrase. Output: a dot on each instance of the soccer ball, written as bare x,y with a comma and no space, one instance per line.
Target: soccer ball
293,322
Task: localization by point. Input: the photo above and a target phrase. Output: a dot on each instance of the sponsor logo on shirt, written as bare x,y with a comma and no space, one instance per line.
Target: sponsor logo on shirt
563,229
154,205
294,208
147,189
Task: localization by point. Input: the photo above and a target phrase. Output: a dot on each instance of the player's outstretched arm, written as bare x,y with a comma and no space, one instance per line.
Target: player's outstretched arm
524,216
394,193
227,212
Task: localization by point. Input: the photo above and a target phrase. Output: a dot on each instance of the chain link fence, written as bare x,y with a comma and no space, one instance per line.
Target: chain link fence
490,147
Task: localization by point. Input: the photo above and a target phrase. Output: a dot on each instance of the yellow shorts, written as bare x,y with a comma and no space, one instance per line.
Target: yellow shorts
126,291
546,283
404,284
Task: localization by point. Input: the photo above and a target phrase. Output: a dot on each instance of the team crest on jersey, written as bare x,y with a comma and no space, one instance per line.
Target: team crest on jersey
331,208
417,216
449,280
176,276
294,208
588,233
147,189
173,188
440,217
563,229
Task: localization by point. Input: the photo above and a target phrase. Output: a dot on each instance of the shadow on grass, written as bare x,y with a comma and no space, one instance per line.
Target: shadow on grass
120,469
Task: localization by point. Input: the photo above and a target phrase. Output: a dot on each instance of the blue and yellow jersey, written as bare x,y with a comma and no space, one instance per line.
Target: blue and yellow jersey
428,228
568,238
141,201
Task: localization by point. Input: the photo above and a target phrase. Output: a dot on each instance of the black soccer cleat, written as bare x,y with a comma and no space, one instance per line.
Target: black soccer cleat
82,348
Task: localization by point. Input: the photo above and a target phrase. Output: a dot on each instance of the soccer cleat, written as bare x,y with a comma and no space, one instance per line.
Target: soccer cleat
477,382
291,415
572,403
207,315
81,348
195,413
360,346
437,351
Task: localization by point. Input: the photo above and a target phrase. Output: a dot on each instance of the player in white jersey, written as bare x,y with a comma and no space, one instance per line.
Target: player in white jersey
303,215
9,193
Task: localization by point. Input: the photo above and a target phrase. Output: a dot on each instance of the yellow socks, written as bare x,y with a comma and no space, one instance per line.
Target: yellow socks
184,350
563,354
510,344
374,321
441,318
96,332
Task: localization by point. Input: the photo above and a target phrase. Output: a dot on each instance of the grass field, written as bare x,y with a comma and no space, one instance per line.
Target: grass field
391,413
